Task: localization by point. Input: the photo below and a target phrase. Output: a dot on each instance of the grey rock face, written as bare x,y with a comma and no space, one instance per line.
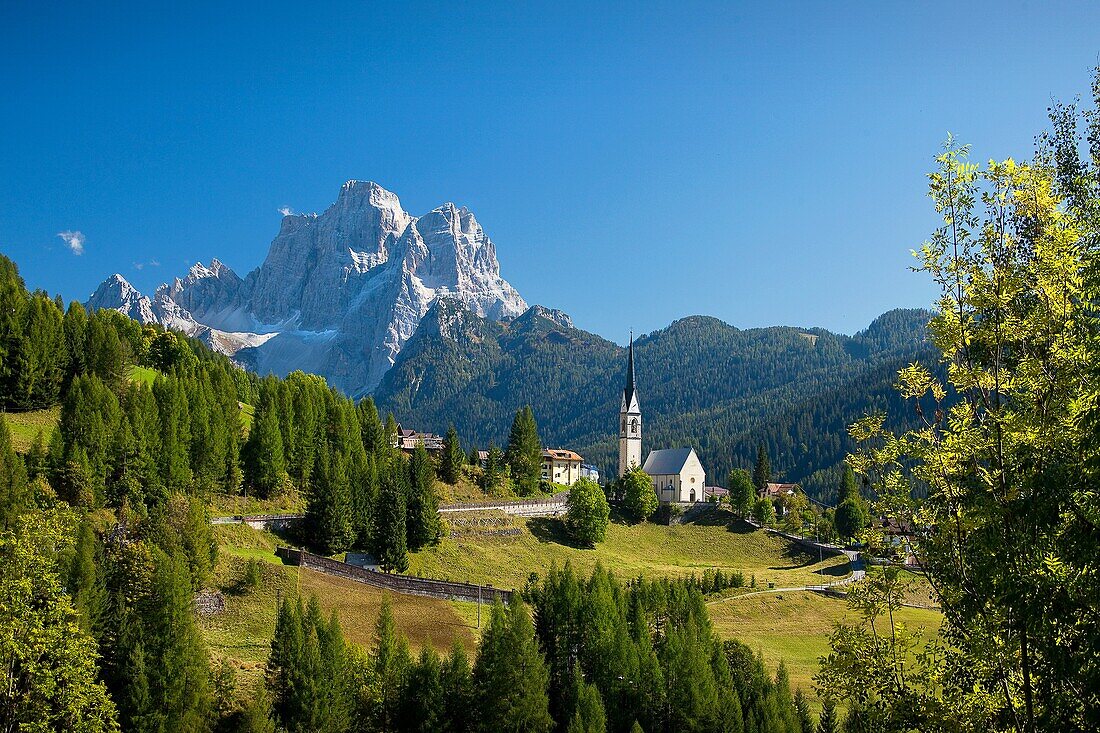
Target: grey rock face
339,293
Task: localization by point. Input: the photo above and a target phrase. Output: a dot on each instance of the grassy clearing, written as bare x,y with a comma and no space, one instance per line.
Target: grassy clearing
242,633
795,628
25,426
248,415
143,374
225,505
716,541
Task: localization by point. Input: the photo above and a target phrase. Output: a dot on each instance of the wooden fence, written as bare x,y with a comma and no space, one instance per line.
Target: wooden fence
407,584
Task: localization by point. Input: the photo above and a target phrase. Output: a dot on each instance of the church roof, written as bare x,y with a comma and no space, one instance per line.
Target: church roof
667,461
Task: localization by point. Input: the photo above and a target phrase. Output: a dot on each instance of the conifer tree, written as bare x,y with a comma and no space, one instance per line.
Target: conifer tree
495,467
450,466
391,663
588,715
15,495
177,663
510,675
762,471
131,681
828,721
390,548
422,697
423,524
802,710
263,458
372,430
39,353
524,453
329,517
175,434
85,581
13,300
75,324
35,459
458,691
284,665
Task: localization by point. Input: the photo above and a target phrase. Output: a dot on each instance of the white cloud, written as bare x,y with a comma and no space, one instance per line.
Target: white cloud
74,241
286,211
143,265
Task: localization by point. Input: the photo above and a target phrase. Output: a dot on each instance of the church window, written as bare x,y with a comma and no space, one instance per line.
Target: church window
692,498
624,425
634,425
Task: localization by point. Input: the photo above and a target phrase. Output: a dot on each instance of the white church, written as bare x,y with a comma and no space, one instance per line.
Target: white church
677,473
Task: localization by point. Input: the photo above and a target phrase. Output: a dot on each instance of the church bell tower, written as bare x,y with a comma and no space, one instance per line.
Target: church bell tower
630,421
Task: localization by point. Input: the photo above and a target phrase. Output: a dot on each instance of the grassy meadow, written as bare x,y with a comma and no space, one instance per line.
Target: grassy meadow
795,627
714,541
24,426
242,633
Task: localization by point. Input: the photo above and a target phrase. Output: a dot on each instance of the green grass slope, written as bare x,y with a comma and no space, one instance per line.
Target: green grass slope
242,632
716,541
795,627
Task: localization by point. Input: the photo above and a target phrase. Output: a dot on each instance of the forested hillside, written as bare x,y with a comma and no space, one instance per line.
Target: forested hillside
701,382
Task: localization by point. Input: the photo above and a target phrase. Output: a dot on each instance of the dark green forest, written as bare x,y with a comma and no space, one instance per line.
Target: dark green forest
701,382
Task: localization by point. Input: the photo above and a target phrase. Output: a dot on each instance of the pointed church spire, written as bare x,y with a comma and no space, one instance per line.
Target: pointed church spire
630,394
630,367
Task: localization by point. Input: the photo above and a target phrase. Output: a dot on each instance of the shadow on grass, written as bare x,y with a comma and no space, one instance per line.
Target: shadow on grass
552,530
721,518
803,558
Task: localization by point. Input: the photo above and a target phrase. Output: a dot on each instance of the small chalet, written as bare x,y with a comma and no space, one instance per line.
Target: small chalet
677,474
561,466
715,493
778,491
407,440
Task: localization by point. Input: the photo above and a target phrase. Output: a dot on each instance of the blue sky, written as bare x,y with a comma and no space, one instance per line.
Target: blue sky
634,163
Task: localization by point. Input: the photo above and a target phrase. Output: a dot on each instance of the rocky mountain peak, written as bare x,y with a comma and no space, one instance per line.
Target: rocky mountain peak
340,292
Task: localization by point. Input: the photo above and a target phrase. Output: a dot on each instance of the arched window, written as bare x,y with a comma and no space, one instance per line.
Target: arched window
624,425
633,425
692,494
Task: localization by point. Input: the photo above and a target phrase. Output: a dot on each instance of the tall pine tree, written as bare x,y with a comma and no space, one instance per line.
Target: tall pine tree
524,452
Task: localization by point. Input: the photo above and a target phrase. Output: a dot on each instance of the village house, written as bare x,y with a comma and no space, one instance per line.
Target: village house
778,494
406,440
715,493
561,466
